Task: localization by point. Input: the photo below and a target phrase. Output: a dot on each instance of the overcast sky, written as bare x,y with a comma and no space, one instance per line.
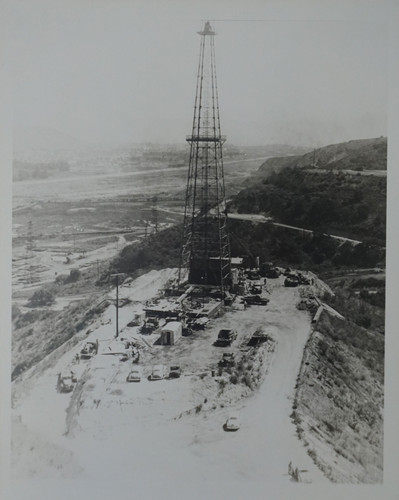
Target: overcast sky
118,71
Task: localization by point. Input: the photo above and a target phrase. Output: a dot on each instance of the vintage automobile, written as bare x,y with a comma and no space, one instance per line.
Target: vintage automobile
256,288
158,372
305,280
256,300
66,381
291,281
134,375
174,371
225,337
232,423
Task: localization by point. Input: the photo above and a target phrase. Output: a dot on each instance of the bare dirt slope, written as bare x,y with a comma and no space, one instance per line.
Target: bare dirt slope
340,399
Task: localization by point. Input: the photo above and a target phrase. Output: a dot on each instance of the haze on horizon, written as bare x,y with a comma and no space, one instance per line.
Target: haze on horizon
113,72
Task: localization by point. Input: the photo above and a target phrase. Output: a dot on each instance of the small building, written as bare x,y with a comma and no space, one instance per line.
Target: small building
237,262
171,332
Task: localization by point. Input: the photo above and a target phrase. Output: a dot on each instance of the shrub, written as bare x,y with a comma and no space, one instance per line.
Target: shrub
222,383
323,346
74,275
312,454
42,297
246,379
364,321
30,317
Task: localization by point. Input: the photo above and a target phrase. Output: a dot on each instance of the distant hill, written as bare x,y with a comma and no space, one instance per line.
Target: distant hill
362,154
343,204
273,150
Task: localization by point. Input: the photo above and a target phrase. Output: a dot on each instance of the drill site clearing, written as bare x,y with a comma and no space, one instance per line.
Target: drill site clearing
187,374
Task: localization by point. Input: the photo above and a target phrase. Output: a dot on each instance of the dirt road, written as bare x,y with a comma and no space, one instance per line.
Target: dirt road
266,442
261,219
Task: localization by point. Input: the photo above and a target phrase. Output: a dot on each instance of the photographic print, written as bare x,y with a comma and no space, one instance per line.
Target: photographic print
199,199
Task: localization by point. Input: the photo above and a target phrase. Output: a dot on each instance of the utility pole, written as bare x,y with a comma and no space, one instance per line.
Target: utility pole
155,213
117,302
117,306
74,238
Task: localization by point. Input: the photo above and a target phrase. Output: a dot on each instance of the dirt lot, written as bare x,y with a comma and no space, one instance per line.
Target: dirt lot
97,430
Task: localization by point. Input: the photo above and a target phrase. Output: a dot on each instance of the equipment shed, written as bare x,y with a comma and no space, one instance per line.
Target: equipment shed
171,332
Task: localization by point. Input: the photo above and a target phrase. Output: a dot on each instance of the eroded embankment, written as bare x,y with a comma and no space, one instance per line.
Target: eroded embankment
338,407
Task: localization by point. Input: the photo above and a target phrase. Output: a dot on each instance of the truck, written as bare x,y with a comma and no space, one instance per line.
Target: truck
225,337
89,350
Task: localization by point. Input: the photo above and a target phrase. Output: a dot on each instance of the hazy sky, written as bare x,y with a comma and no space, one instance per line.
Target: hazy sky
115,71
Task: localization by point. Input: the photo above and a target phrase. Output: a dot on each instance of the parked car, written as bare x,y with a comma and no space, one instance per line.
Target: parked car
272,273
134,375
174,371
258,338
304,280
66,381
225,337
256,300
125,356
232,423
253,274
291,281
158,372
256,288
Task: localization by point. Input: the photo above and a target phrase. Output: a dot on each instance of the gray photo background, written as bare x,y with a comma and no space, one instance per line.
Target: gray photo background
111,72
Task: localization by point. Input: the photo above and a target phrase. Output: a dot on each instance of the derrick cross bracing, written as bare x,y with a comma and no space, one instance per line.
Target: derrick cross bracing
205,251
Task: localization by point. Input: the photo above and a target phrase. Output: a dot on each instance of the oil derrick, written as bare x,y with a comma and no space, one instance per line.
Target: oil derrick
205,250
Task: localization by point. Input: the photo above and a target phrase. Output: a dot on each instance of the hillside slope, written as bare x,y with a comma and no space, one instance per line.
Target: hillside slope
338,408
327,201
361,154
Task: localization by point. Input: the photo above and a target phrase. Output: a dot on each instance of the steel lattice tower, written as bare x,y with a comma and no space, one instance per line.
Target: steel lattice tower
205,248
